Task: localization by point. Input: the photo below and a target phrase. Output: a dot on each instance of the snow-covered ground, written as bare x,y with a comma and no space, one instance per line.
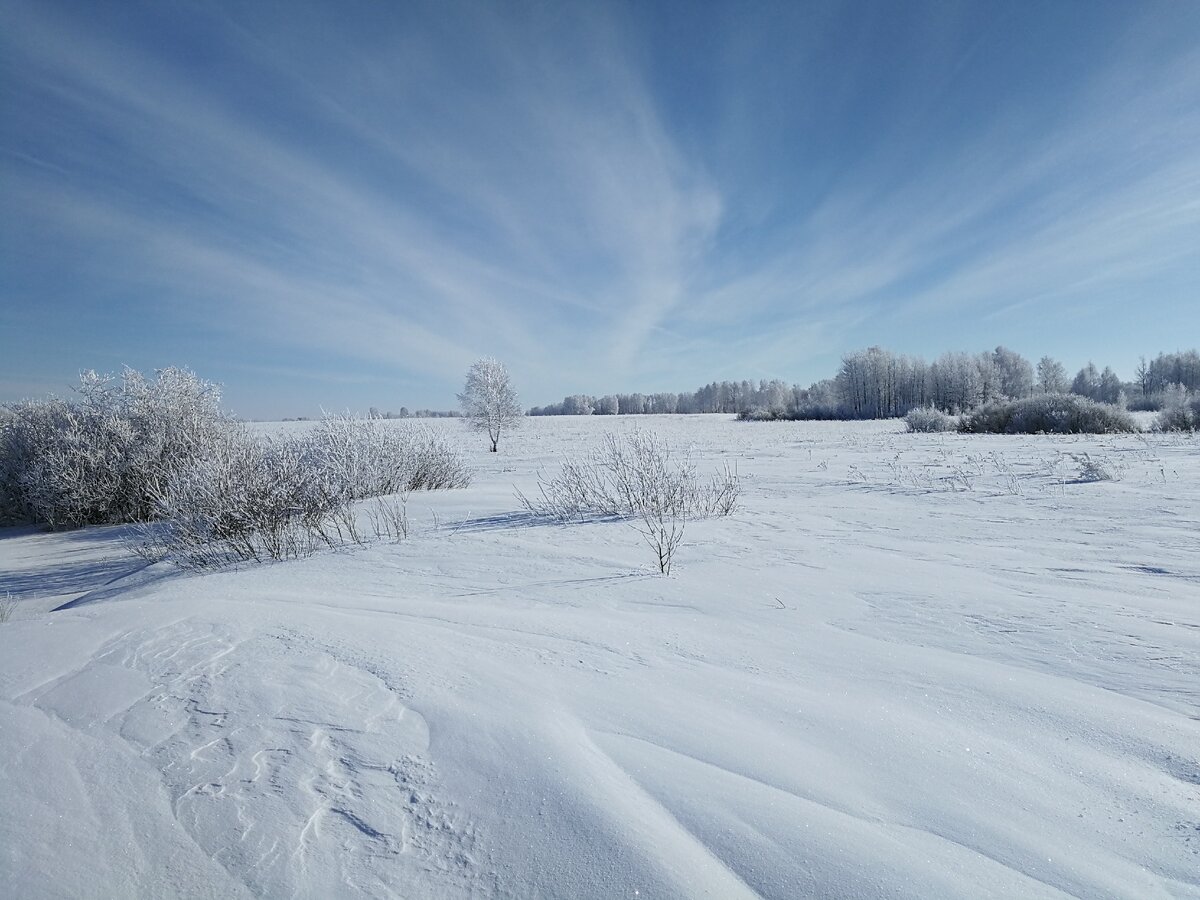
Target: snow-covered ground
908,666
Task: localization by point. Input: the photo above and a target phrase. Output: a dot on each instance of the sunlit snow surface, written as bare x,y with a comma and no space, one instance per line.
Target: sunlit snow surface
908,666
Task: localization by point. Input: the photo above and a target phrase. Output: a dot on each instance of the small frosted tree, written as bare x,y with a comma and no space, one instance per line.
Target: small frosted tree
489,400
1051,376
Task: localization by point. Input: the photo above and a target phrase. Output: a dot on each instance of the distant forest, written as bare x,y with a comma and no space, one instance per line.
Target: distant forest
876,384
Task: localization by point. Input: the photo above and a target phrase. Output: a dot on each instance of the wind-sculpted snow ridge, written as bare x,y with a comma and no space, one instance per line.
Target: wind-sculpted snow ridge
907,666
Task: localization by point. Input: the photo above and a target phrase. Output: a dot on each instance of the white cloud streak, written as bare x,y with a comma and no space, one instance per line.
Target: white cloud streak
466,181
584,209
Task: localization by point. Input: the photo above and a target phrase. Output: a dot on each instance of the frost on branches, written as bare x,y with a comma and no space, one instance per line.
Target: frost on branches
489,400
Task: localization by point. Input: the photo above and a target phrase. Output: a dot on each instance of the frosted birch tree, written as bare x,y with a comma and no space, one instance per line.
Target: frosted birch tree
489,401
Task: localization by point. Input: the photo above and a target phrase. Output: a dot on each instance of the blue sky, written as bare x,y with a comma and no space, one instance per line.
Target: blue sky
343,205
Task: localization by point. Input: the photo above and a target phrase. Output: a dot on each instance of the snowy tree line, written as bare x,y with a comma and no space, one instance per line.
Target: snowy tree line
1156,378
405,413
877,383
716,397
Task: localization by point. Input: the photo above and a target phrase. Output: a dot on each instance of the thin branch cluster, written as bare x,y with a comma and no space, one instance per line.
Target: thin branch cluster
637,478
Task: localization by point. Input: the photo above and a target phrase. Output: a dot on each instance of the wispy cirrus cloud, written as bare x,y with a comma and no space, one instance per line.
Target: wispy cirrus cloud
502,224
1090,225
609,197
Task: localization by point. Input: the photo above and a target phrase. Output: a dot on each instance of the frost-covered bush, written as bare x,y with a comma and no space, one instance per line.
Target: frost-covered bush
1167,397
639,478
1179,414
98,457
246,500
926,419
628,473
109,454
1048,414
1094,469
253,500
808,411
371,458
763,414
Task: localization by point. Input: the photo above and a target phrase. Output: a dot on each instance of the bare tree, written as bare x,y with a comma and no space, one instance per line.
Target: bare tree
489,400
1141,375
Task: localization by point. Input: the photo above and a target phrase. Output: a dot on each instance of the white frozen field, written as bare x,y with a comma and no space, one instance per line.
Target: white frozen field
907,666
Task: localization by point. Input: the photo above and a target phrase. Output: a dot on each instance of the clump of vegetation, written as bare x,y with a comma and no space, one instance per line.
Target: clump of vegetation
1048,414
637,478
98,457
253,500
159,453
926,420
364,458
246,501
1180,413
1094,469
763,414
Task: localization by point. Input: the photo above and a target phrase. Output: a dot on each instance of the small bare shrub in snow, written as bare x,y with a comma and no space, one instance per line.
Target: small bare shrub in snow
640,479
8,606
1094,469
926,419
389,518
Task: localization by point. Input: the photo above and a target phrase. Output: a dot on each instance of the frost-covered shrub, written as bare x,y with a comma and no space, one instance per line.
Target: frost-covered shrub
639,478
370,458
1094,469
762,414
1178,418
98,457
1048,414
926,419
1167,397
246,500
628,473
253,500
1180,414
808,411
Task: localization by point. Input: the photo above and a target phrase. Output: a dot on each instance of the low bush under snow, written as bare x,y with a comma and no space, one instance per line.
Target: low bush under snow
1048,414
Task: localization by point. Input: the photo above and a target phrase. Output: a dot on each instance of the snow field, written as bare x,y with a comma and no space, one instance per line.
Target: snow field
906,666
